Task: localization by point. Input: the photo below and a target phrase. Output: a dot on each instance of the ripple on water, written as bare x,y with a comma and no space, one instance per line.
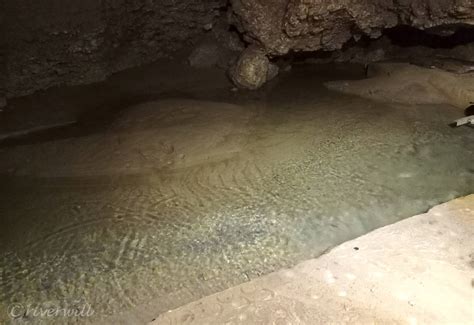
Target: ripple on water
297,183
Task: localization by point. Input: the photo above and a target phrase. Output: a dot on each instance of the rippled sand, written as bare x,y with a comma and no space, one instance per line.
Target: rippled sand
177,198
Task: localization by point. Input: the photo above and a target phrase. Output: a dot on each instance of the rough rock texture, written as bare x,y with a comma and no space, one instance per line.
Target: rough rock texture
279,26
219,48
51,42
383,50
251,70
459,59
206,55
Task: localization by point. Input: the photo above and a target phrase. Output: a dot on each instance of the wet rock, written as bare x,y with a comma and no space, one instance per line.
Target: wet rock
251,70
220,48
284,26
281,26
208,27
273,71
360,55
205,55
229,39
46,44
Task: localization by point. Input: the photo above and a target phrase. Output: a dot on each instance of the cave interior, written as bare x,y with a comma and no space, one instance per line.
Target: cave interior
157,153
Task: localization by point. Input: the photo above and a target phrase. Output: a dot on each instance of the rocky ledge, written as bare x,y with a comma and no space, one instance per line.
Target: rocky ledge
278,27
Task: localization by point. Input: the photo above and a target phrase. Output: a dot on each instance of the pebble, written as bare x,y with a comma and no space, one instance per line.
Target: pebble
167,148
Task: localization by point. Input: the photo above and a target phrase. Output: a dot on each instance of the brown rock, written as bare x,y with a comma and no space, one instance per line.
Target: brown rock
251,70
279,26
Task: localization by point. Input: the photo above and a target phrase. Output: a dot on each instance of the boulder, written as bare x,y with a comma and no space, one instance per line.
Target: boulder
251,70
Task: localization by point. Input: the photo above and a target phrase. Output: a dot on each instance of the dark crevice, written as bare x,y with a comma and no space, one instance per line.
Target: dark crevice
406,36
403,37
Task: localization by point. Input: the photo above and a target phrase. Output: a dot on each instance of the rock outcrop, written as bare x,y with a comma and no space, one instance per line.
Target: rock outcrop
280,26
220,48
48,43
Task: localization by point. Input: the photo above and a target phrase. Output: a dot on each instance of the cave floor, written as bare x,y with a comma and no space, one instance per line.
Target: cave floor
170,186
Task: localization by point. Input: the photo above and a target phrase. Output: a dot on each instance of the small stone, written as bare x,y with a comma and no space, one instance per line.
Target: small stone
208,27
167,148
3,102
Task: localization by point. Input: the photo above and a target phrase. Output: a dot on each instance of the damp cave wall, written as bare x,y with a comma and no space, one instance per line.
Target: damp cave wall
55,42
65,42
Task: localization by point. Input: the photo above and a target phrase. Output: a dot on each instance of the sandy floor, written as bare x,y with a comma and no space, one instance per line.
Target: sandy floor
410,84
417,271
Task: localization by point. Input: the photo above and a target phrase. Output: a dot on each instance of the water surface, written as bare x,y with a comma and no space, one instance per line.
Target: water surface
177,197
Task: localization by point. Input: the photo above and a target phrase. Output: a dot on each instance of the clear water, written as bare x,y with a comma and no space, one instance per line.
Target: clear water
178,198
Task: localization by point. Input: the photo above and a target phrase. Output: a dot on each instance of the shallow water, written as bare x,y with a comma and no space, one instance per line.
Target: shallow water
177,198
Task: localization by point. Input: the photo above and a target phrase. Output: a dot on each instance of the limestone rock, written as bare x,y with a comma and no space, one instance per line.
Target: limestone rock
251,70
220,48
279,26
52,43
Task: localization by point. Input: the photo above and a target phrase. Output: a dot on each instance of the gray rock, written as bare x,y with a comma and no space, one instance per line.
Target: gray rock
273,71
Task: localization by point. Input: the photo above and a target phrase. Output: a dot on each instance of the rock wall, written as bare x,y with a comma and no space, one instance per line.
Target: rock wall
279,26
53,42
